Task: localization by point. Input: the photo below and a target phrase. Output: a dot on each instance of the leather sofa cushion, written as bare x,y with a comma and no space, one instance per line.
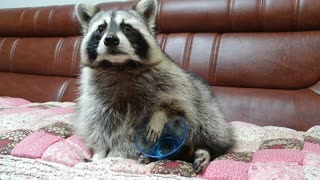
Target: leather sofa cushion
175,16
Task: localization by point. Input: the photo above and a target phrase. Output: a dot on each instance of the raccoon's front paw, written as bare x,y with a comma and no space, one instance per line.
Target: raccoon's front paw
154,131
143,159
98,155
201,160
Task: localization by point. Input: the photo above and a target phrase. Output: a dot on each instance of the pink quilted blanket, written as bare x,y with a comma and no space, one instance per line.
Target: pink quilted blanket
36,141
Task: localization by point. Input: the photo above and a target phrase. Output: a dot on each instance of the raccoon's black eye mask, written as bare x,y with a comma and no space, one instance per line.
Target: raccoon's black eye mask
127,28
102,28
136,39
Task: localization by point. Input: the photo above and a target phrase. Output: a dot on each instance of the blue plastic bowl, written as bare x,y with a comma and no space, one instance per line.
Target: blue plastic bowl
173,136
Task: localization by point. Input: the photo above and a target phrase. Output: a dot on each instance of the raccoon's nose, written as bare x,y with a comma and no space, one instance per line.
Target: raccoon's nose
111,41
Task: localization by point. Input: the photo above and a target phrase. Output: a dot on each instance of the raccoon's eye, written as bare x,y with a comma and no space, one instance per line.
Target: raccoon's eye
101,29
128,28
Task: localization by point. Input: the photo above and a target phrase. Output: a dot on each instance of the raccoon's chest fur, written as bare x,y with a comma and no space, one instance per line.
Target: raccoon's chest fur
128,95
124,93
114,105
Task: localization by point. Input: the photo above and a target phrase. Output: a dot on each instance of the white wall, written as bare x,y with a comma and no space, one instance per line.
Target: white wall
34,3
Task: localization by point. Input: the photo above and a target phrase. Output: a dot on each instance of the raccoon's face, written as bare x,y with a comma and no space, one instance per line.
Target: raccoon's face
118,36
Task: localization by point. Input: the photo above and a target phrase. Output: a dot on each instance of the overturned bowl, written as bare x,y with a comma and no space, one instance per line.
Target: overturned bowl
173,136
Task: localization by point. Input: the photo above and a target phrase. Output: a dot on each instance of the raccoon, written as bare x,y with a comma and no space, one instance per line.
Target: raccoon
126,78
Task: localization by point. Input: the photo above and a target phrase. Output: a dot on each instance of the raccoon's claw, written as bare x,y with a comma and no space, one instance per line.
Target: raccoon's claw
201,160
143,159
153,133
155,126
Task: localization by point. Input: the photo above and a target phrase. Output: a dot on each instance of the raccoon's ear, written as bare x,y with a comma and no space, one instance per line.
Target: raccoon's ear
85,13
148,9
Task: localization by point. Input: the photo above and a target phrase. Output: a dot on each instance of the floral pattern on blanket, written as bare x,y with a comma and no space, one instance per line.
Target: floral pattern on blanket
38,136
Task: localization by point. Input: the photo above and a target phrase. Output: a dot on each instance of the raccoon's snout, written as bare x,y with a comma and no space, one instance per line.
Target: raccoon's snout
111,41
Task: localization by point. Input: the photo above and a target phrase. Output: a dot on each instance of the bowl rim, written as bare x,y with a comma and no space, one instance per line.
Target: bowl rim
166,155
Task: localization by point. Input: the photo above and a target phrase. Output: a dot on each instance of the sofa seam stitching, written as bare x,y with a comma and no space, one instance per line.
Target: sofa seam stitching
215,58
35,19
296,15
63,88
56,56
187,51
75,55
261,8
12,51
230,6
50,17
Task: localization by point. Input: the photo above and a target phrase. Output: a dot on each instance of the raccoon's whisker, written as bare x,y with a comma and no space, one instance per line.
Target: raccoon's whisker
95,64
137,65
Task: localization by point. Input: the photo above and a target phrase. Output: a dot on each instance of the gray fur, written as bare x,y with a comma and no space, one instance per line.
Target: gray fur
148,9
85,13
116,99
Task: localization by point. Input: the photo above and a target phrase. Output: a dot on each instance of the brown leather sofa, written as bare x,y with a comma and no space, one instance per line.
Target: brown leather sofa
261,56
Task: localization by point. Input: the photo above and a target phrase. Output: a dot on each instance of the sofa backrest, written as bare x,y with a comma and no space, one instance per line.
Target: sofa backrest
262,57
